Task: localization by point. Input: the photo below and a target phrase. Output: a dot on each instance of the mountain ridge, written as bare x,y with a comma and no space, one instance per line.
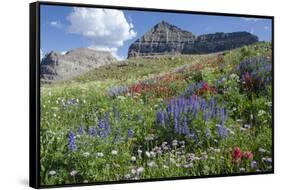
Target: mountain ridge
57,66
165,38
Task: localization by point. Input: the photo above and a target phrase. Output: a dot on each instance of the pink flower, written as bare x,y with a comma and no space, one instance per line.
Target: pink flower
236,154
248,155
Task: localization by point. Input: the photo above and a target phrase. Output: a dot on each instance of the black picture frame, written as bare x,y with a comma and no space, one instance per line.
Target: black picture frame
34,90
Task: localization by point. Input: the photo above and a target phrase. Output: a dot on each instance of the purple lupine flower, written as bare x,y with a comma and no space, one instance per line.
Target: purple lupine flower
206,115
130,133
223,115
186,131
71,141
222,131
161,118
93,131
176,120
101,128
81,130
180,113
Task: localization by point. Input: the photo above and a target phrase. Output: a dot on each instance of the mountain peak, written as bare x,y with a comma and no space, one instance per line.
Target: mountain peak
165,38
164,25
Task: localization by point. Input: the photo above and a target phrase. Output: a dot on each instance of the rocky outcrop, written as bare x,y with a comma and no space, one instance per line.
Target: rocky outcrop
57,66
220,42
165,38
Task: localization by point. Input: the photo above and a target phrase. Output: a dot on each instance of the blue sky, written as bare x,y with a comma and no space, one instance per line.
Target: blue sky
65,28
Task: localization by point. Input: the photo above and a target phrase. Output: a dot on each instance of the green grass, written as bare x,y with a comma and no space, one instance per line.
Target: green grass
85,102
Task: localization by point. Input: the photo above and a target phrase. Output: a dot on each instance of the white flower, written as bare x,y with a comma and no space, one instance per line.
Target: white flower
164,143
151,164
267,159
247,126
165,166
114,152
261,113
133,158
172,160
269,104
147,154
242,169
152,154
127,176
140,170
73,173
174,143
262,150
190,156
231,132
165,148
99,154
182,142
139,151
133,171
116,165
217,150
188,165
239,120
52,172
149,137
86,154
233,76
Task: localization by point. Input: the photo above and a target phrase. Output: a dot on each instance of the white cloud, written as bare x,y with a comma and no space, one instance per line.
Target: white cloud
41,54
56,24
266,28
250,19
252,31
107,29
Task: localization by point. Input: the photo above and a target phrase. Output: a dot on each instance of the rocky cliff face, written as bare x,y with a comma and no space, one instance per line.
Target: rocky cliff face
165,38
55,66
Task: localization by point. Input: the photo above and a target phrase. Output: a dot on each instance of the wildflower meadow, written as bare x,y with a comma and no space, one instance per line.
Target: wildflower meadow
162,117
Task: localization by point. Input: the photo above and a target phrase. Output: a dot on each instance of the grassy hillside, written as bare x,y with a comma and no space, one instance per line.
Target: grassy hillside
155,117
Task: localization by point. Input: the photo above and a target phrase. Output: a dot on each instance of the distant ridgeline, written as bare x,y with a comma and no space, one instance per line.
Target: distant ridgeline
57,66
165,38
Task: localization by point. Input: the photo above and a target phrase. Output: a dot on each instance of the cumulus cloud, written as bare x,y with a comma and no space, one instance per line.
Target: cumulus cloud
106,29
56,24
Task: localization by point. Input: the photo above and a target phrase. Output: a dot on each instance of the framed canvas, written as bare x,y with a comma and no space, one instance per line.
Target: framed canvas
121,94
